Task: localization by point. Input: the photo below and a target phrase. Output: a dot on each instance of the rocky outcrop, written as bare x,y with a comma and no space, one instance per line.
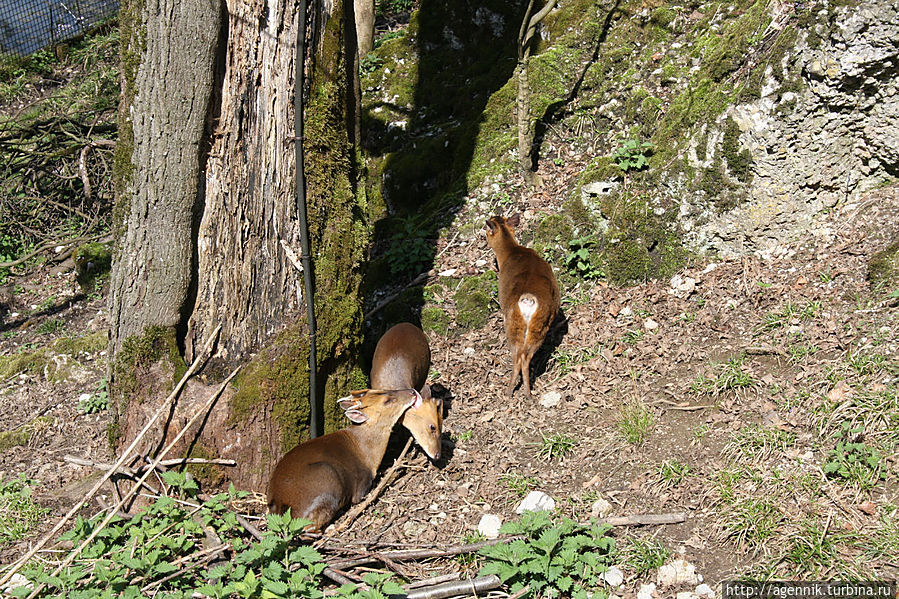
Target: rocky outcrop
815,146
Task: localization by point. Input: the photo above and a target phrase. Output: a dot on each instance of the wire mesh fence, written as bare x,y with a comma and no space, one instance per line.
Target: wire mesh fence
29,25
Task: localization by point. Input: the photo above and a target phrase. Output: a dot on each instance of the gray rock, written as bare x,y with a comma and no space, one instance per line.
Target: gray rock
489,525
536,501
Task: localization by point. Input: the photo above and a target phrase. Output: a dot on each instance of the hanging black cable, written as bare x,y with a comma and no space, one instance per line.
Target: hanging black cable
315,424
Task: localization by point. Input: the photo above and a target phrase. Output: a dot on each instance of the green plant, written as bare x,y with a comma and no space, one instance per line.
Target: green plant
750,521
505,200
791,314
97,402
632,154
727,375
672,472
635,421
370,63
387,36
385,7
518,484
52,325
567,359
644,555
798,353
408,250
554,559
700,431
162,550
556,445
580,260
18,511
756,442
462,437
854,461
632,336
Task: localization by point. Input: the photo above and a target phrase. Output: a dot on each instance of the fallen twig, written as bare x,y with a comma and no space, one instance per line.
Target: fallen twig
434,580
163,408
133,490
471,587
249,527
419,554
210,555
645,519
341,578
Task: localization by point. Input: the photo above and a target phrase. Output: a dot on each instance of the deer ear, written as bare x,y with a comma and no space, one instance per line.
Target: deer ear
491,226
356,416
514,220
348,403
426,392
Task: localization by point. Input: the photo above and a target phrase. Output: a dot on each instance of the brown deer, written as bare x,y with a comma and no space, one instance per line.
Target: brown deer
402,360
528,295
318,478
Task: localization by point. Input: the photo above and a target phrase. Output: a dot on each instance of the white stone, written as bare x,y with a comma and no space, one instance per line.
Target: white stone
84,397
686,595
626,312
468,351
447,273
646,591
650,325
536,501
614,577
480,263
600,508
550,399
706,591
489,525
16,581
675,572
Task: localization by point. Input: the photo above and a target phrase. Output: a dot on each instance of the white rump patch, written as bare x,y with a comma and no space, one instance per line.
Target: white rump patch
527,305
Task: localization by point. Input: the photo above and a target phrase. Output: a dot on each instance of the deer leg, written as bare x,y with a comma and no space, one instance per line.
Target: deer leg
516,370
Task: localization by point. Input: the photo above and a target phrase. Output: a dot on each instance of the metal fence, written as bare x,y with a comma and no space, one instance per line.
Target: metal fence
29,25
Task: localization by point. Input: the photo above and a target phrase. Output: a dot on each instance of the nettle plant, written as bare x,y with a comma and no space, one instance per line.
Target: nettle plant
408,250
179,548
580,261
632,154
554,559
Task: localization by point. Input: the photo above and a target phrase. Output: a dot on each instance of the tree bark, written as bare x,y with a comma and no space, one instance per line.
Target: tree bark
172,85
365,25
207,194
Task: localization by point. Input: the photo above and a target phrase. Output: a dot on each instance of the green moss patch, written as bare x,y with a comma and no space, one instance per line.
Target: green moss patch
474,300
92,261
639,244
87,344
137,366
435,320
884,266
278,377
16,438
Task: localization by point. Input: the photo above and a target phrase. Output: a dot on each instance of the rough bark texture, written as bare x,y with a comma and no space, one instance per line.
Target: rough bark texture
244,279
171,87
235,191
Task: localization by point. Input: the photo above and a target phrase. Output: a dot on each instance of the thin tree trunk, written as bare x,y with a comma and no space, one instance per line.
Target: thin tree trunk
365,25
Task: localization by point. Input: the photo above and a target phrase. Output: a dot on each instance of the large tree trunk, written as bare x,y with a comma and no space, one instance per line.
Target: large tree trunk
225,161
171,87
